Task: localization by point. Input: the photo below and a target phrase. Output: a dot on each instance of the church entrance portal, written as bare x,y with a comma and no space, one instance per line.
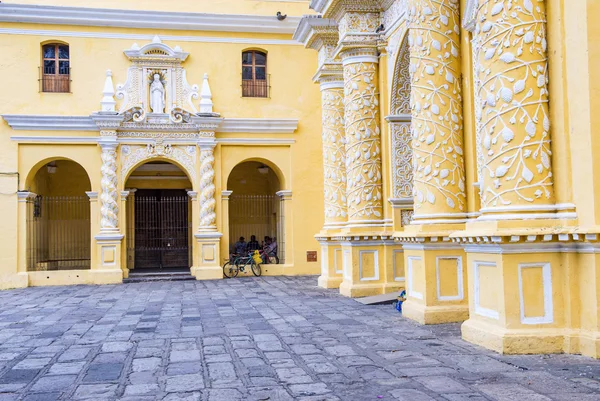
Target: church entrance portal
161,229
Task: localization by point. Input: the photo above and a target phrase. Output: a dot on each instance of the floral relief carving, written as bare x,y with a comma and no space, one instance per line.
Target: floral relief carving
511,67
402,174
334,155
358,23
436,103
363,141
401,82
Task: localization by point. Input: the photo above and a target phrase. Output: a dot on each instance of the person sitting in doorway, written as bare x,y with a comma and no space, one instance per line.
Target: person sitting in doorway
271,247
253,244
240,247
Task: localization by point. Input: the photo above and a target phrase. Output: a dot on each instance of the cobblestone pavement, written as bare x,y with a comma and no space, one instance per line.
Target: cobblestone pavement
270,338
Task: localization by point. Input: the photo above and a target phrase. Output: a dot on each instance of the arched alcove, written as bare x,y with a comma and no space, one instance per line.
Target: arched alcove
254,206
58,217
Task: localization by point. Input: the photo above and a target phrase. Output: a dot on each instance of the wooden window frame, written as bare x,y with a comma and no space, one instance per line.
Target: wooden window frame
55,82
255,87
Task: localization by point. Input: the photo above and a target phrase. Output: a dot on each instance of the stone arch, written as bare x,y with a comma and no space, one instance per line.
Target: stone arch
31,174
133,156
272,165
400,126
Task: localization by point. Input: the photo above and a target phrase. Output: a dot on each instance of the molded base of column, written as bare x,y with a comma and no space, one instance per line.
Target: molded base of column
585,343
207,272
125,272
329,282
435,314
514,341
393,287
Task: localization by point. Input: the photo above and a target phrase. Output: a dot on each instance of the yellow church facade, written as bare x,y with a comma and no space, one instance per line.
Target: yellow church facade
443,147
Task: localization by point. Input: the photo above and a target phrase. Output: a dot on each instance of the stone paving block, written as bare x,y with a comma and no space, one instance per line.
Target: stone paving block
183,368
53,383
19,376
183,383
141,389
410,395
221,371
42,397
103,372
95,391
145,364
225,395
309,389
193,396
32,363
184,356
66,368
293,375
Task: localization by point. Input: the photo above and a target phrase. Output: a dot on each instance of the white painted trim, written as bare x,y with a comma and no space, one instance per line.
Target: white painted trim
346,265
529,208
158,177
399,118
528,216
331,85
158,20
360,59
548,302
72,140
34,122
375,276
459,276
324,261
335,261
443,246
259,125
490,313
208,235
142,37
395,267
410,277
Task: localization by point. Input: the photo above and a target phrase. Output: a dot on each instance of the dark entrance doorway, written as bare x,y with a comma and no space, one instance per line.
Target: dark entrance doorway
161,229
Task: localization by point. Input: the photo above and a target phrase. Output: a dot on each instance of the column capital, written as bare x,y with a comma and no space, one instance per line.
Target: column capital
207,143
284,194
24,196
93,195
193,195
124,195
225,195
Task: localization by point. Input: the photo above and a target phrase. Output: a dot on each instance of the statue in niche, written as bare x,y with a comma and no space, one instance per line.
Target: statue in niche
157,95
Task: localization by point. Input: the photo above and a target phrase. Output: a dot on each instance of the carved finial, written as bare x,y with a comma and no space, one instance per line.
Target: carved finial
108,101
206,104
177,49
156,39
135,46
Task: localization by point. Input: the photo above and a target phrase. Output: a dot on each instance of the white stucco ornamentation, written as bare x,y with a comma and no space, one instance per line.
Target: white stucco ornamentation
207,188
363,139
436,101
109,208
334,152
400,124
183,155
511,67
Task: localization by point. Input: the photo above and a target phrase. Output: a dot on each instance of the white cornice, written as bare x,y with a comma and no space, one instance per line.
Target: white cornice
82,140
23,122
307,25
84,16
50,123
259,125
142,37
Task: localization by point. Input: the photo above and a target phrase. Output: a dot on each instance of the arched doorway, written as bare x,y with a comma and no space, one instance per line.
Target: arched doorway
159,218
255,208
58,217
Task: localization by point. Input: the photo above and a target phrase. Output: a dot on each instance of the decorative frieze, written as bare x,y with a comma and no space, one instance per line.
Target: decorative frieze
133,155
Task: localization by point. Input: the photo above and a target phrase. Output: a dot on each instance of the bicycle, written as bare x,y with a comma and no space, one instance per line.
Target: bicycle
232,268
269,258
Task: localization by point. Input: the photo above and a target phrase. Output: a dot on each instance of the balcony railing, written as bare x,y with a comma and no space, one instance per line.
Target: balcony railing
256,87
57,83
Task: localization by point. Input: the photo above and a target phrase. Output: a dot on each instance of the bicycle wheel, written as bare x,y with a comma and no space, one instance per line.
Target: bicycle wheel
230,270
256,268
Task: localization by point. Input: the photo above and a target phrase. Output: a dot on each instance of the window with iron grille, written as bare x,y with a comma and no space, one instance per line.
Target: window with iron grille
255,81
56,68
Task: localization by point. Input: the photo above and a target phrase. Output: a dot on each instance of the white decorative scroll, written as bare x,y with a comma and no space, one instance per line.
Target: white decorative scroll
207,188
109,208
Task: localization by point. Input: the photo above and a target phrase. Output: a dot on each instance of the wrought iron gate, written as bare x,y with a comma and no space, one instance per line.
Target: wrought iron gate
161,229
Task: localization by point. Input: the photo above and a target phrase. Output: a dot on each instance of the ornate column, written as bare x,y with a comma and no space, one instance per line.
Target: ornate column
511,67
321,34
435,272
109,208
515,307
437,117
207,187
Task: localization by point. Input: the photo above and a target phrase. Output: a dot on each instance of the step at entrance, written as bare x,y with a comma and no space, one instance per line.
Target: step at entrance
146,275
